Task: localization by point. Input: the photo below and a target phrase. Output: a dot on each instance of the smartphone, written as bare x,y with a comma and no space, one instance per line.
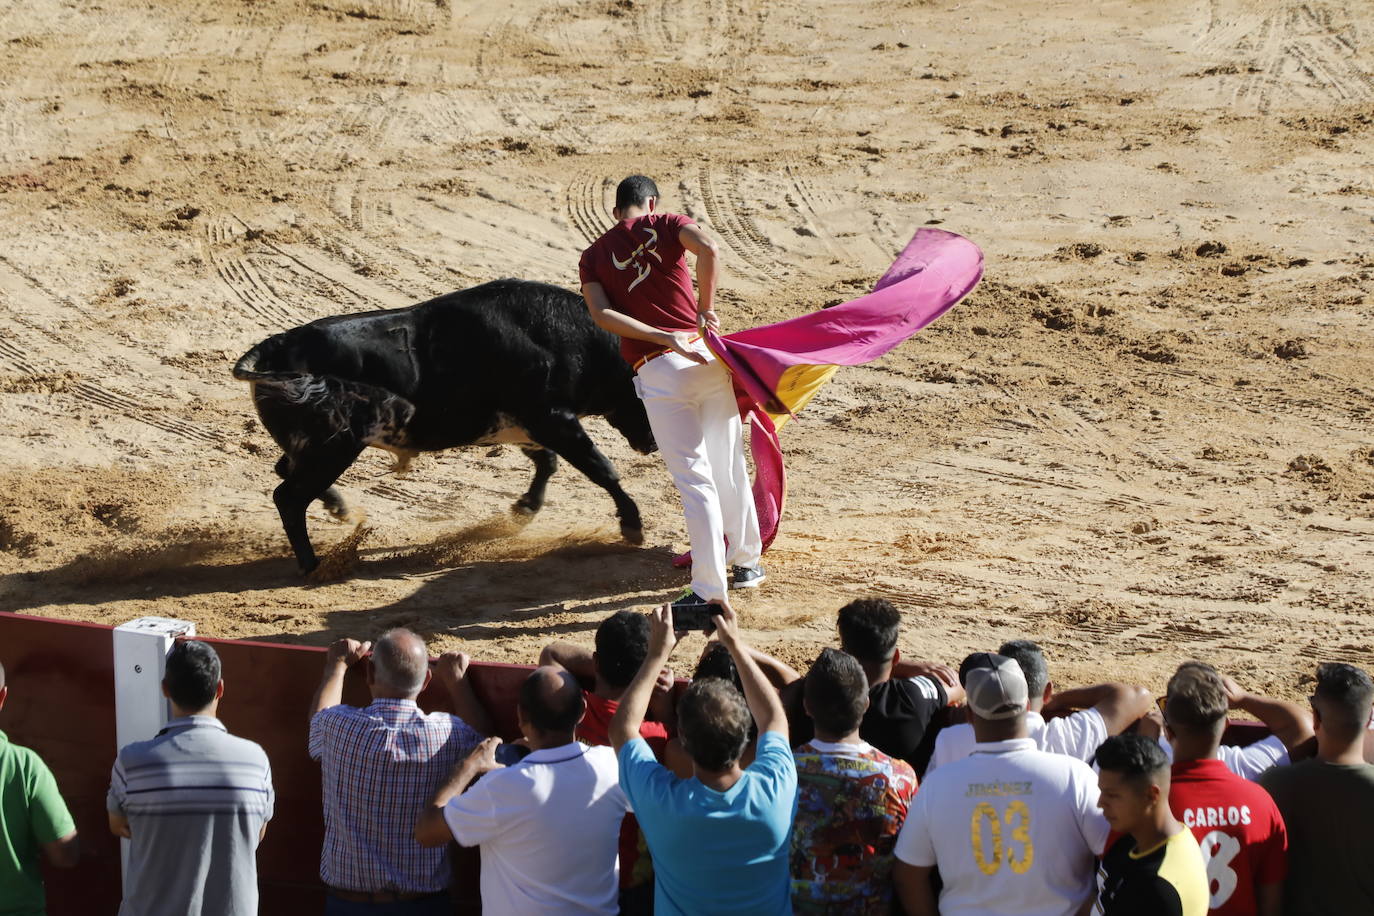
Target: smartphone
510,754
695,617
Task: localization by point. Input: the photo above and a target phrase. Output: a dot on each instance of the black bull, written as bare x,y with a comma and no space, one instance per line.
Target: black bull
507,361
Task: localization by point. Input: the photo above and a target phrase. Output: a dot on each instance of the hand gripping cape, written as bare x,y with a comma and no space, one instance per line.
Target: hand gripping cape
778,368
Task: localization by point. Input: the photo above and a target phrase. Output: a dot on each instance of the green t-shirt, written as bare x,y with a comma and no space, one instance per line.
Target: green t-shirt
1327,809
32,813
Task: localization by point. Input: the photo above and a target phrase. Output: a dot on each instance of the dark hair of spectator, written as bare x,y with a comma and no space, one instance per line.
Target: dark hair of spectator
716,662
1197,699
1031,658
1343,697
554,711
622,642
192,675
1137,759
634,192
836,692
713,723
868,629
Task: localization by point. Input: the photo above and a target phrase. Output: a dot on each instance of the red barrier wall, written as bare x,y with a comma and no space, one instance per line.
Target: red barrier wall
61,704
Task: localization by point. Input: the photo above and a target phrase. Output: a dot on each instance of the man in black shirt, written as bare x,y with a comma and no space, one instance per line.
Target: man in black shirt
905,699
1156,867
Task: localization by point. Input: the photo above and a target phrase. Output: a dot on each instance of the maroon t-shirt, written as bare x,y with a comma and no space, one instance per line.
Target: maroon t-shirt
640,263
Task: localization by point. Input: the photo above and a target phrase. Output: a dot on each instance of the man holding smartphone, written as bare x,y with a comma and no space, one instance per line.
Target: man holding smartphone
637,286
720,839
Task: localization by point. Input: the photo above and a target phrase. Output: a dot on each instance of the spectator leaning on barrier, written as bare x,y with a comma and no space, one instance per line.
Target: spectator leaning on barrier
1155,867
1096,712
194,802
905,699
379,765
720,839
1290,730
851,799
1236,823
622,641
549,825
1328,803
33,820
1011,828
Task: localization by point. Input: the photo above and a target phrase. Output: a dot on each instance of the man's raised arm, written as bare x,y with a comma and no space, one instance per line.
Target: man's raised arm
342,655
624,726
1118,704
763,700
1288,722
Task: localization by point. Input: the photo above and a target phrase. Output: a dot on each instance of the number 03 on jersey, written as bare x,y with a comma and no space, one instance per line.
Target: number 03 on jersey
991,848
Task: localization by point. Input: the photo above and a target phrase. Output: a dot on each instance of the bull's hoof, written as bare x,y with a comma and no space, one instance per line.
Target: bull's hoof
525,506
309,566
633,534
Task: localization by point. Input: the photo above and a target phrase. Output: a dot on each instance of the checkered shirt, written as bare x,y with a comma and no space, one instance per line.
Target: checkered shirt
380,766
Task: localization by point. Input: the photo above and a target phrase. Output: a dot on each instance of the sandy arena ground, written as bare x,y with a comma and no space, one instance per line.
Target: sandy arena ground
1146,437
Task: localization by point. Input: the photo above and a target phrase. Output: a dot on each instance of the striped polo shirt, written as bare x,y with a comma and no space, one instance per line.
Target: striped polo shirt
196,798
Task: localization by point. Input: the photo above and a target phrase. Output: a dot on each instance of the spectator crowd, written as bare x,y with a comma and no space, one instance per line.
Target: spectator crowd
872,784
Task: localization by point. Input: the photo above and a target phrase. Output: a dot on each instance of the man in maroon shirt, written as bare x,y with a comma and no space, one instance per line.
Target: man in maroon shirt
1237,825
637,286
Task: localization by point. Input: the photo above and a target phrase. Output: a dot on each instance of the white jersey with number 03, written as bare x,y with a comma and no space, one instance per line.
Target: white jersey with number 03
1013,829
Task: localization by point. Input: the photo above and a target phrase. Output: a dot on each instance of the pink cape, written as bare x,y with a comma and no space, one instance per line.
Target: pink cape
779,367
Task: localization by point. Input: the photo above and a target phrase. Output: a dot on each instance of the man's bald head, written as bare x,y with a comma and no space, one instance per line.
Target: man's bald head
400,662
551,700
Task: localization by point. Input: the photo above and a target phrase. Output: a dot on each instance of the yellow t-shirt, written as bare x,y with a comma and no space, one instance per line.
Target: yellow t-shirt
1169,879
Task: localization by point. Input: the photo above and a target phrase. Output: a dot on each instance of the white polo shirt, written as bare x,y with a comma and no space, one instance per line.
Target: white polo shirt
1078,735
1013,829
549,828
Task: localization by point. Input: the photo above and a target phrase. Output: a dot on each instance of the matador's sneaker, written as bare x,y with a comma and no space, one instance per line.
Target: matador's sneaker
747,576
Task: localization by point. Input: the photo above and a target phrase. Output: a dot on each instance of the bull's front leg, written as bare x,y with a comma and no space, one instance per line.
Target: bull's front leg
561,432
545,463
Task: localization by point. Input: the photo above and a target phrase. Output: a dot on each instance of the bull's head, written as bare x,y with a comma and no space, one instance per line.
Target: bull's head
629,417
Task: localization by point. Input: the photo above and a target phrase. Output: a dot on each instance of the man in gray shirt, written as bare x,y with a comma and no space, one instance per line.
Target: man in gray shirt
194,802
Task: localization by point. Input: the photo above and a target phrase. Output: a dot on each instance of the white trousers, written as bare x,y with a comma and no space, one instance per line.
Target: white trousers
696,423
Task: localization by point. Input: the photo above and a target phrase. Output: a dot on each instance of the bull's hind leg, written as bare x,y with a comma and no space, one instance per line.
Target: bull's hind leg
561,432
545,463
331,498
310,476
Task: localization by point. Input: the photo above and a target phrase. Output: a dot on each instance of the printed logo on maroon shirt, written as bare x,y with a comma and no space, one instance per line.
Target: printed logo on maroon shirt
640,263
1239,829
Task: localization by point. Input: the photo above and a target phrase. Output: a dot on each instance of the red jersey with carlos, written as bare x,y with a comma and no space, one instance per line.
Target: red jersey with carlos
1239,829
